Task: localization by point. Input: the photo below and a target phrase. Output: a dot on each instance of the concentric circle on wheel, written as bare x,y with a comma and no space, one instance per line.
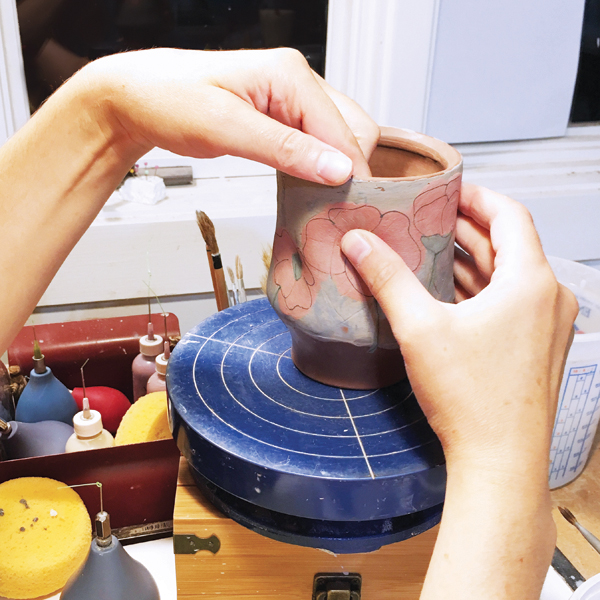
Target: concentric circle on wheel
248,421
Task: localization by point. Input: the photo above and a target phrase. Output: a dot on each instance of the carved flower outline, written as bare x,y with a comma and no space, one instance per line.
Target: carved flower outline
435,208
323,234
297,287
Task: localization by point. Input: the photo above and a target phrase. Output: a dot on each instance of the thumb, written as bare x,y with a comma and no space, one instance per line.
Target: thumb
259,137
400,294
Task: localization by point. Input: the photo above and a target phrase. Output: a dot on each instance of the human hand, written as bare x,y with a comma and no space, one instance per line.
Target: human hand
487,370
265,105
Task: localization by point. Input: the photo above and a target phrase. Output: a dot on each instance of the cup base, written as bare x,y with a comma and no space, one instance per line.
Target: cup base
344,365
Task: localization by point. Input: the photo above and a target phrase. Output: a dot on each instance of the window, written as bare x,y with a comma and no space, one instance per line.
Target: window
586,101
60,36
384,54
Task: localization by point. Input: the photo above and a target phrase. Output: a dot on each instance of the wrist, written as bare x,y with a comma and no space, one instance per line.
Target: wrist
105,94
512,477
496,531
513,455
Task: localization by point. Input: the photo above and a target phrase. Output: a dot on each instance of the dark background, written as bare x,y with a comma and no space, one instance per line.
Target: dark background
60,36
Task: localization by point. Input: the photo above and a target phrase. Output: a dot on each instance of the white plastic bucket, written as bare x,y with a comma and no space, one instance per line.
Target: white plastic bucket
590,590
578,407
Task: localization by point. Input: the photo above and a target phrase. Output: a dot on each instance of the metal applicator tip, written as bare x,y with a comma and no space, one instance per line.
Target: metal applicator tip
103,530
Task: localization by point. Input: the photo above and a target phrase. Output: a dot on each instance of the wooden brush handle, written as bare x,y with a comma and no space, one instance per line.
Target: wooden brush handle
211,267
221,288
218,280
590,537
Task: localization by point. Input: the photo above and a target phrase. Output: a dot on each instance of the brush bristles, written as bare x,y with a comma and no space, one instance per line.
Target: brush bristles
207,229
266,256
239,270
568,515
230,273
37,351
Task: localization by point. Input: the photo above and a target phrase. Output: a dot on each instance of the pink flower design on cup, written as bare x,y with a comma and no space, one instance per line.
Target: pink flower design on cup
435,208
323,234
296,284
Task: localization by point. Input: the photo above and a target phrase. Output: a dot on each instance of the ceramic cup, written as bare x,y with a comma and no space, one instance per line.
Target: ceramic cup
340,335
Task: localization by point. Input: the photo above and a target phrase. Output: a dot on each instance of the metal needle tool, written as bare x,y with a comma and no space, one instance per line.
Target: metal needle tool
590,537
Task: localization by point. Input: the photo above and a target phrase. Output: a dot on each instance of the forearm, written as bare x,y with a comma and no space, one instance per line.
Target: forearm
55,175
496,536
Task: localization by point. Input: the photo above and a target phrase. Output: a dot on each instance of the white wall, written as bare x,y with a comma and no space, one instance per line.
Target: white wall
380,54
460,70
504,69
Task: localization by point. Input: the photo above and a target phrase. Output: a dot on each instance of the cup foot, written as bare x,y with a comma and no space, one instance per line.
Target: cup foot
344,365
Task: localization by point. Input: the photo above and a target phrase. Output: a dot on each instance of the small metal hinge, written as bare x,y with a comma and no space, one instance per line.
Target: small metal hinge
337,586
190,544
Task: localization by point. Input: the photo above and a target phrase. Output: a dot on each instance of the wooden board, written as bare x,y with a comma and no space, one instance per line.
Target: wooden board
249,565
582,498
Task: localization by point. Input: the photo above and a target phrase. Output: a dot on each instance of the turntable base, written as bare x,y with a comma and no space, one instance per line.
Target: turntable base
249,565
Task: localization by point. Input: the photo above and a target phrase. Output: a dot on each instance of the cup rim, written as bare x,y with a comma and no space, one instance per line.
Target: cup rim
419,143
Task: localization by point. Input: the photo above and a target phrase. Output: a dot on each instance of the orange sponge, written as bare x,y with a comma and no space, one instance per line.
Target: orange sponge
45,536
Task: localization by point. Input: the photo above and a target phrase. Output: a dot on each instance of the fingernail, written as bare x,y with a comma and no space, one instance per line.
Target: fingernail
355,247
334,167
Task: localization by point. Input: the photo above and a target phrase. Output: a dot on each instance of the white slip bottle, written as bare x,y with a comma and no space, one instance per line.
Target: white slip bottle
89,433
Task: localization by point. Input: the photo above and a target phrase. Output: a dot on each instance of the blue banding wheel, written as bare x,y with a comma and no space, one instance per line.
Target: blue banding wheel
254,428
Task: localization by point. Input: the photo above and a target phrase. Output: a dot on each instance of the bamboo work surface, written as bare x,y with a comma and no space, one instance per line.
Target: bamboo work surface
249,565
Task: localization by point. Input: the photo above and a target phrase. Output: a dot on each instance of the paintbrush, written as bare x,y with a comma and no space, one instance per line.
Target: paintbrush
207,229
233,294
266,256
590,537
239,282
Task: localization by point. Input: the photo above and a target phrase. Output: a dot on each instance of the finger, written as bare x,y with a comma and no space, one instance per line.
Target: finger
323,119
365,130
467,275
460,295
295,98
241,102
253,135
513,236
475,240
402,297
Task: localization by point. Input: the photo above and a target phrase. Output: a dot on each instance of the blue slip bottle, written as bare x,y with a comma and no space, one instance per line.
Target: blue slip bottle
45,398
109,572
24,440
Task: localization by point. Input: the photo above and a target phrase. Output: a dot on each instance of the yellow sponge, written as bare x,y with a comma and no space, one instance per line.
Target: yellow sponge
45,536
145,421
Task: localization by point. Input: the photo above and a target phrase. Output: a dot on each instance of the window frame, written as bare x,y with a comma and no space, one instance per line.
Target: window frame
360,34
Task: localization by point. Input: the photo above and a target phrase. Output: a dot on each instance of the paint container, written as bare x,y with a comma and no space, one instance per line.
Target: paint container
24,440
45,398
158,381
109,571
590,590
143,365
578,411
110,403
89,433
